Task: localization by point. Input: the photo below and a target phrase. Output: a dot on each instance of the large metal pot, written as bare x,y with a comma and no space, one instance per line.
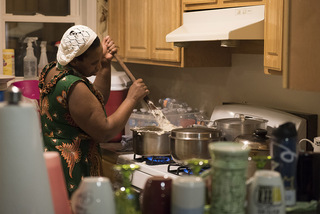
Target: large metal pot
150,141
192,142
233,127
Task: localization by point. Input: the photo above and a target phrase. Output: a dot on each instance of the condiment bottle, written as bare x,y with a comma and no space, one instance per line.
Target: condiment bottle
283,151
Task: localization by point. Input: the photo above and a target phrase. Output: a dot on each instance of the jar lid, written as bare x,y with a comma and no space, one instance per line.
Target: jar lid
195,133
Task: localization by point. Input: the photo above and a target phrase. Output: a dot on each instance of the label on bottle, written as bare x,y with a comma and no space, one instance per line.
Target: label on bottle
8,62
267,200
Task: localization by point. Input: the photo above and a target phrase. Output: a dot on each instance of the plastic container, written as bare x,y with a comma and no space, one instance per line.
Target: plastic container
8,62
29,88
139,119
30,61
284,154
119,90
43,57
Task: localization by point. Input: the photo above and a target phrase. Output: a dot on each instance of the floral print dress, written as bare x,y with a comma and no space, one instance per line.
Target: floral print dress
80,155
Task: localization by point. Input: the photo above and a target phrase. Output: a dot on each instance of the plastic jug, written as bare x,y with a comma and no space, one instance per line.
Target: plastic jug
119,90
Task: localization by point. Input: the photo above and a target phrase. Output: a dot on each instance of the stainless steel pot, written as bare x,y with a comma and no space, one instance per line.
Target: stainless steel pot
259,144
233,127
150,141
192,142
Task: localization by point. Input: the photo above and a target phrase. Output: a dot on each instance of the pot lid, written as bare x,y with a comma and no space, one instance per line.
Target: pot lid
195,133
242,120
257,141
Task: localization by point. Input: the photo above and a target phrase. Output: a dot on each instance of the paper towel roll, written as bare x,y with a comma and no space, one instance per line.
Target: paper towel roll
24,183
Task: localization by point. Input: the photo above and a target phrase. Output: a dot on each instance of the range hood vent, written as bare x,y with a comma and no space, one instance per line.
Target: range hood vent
239,23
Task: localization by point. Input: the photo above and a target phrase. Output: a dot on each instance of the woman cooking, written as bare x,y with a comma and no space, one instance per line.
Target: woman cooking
72,111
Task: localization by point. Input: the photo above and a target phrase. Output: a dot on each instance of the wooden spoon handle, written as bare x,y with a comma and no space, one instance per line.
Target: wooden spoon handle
130,75
125,68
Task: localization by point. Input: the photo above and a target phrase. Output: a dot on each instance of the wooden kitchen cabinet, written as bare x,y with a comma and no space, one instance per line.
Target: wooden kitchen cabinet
189,5
115,24
273,36
147,24
139,28
292,42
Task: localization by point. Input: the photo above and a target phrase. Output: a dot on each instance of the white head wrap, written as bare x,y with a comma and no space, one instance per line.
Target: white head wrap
75,41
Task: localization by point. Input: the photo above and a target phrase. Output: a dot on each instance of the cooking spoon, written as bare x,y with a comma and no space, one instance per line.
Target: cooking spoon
130,75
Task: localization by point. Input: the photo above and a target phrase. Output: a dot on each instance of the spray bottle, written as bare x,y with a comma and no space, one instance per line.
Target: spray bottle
43,57
30,61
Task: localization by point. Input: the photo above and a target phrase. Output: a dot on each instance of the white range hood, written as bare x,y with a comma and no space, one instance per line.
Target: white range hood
239,23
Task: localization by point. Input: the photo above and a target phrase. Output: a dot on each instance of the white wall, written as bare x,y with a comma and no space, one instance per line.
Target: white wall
244,82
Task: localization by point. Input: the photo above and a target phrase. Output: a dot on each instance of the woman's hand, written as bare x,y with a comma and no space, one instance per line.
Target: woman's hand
109,48
138,90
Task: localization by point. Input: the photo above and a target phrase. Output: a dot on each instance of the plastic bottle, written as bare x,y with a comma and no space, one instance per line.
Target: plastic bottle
30,61
283,151
43,57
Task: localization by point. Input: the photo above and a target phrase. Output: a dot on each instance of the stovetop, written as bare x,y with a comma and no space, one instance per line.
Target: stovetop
274,117
145,171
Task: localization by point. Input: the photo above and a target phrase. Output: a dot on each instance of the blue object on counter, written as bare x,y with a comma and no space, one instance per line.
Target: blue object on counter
284,146
1,96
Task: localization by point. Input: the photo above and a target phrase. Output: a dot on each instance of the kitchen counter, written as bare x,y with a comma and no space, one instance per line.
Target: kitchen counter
110,153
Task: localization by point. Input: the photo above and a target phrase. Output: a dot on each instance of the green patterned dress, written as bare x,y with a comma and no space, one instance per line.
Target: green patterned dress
80,155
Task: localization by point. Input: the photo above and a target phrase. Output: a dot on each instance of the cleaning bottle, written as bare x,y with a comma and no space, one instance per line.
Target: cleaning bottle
43,57
30,61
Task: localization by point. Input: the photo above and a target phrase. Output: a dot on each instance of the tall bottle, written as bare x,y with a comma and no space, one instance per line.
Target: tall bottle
43,57
30,61
284,154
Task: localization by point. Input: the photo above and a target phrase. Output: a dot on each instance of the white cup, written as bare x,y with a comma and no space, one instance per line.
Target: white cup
94,195
315,144
266,193
188,195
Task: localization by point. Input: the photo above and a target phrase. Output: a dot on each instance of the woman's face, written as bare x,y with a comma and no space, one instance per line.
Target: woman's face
91,63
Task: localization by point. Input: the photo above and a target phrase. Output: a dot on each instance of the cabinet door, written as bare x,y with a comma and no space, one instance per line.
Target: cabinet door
165,17
137,29
273,36
199,4
116,24
303,69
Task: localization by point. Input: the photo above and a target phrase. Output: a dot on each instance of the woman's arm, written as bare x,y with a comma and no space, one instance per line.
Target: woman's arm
87,112
103,77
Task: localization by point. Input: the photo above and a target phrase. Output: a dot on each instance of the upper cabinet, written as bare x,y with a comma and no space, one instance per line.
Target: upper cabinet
139,29
292,42
273,36
189,5
146,24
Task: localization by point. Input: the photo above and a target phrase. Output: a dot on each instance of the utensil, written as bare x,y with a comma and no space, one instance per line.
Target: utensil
150,141
130,75
192,142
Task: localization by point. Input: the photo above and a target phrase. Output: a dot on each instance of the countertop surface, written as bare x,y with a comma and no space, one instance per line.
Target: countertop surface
111,151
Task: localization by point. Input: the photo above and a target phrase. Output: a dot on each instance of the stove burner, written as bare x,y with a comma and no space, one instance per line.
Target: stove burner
177,171
154,160
183,170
